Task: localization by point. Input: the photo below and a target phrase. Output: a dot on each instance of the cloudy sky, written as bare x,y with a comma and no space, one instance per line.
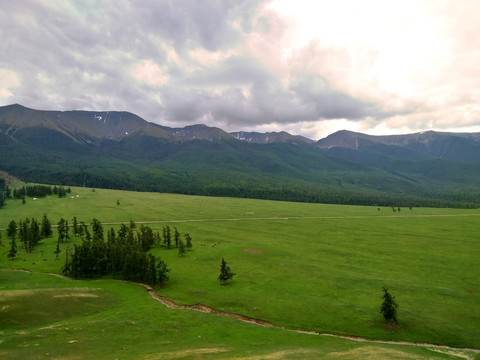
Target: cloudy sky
307,67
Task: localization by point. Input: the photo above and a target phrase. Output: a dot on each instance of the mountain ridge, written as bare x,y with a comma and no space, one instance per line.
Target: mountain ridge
122,150
123,123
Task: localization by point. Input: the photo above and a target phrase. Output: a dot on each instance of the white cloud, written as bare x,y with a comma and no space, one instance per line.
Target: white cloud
9,81
150,73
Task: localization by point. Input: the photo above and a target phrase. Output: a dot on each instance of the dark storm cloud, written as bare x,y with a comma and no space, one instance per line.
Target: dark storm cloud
265,103
330,103
251,95
208,23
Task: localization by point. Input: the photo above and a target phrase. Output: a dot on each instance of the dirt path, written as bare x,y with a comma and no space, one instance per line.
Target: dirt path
292,218
206,309
270,218
457,352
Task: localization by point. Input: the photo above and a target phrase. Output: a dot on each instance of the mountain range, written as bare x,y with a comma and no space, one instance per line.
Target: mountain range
121,150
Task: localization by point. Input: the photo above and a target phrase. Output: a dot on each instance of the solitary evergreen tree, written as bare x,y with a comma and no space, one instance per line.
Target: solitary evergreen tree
389,307
225,273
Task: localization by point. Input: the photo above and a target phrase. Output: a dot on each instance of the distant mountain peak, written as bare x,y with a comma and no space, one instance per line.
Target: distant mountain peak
270,137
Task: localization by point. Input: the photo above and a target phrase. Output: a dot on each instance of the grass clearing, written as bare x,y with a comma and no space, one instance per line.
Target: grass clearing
307,266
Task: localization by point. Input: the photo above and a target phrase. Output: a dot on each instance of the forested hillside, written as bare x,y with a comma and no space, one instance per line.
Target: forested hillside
122,151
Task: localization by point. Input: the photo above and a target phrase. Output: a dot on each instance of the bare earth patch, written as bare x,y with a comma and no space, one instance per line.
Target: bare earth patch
253,251
184,353
276,355
80,295
374,353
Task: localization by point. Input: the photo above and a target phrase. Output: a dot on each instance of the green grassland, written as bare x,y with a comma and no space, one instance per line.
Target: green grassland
301,266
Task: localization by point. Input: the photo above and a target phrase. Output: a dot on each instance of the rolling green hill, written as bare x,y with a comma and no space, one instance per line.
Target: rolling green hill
315,268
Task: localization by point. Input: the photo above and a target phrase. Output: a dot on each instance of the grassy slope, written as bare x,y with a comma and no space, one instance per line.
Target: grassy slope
122,321
322,274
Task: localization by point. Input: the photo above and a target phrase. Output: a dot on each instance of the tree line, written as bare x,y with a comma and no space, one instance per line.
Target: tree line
4,192
39,191
33,191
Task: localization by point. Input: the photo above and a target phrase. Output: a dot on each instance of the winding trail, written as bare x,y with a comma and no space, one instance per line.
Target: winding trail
209,310
452,351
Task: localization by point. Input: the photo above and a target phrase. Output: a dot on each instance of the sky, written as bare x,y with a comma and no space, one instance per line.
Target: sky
306,67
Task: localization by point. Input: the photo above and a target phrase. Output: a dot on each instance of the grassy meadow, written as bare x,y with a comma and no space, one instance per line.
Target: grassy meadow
301,266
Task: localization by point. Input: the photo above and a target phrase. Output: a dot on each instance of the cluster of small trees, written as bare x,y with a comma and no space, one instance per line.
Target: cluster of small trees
29,232
181,245
123,255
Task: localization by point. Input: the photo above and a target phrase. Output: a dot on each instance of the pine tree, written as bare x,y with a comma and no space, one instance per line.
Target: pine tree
97,229
75,226
85,230
2,199
61,230
46,227
57,250
225,273
12,230
146,238
66,268
23,233
167,237
389,307
188,239
13,249
181,248
176,236
162,272
34,234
